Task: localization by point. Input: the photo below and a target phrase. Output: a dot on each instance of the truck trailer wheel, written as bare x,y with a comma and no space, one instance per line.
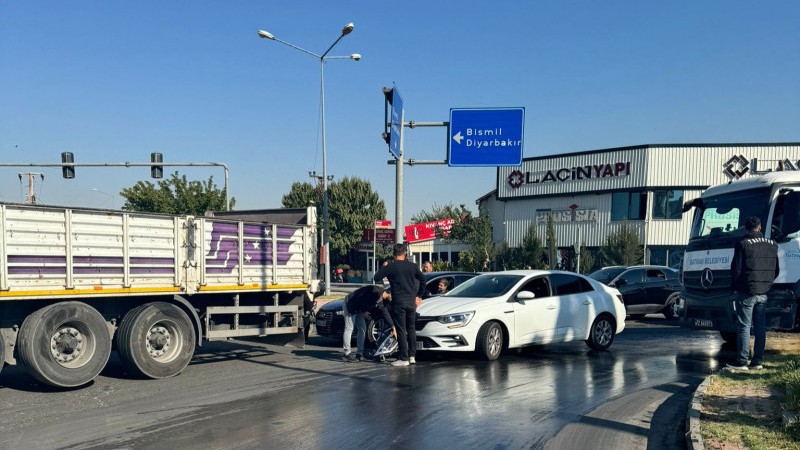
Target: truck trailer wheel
156,340
64,344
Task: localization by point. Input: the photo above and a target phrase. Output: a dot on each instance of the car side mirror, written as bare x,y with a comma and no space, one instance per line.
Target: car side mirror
525,295
620,282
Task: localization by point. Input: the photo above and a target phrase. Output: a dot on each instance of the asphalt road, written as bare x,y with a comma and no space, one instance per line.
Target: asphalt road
244,394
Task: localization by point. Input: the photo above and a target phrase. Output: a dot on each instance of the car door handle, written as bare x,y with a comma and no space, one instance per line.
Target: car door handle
641,288
551,306
587,302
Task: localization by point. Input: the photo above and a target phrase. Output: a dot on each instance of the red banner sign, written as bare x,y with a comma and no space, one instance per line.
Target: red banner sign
427,231
382,223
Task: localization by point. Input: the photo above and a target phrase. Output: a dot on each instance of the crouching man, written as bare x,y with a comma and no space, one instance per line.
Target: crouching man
362,300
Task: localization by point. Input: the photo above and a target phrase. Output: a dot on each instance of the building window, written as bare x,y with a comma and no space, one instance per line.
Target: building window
667,204
628,205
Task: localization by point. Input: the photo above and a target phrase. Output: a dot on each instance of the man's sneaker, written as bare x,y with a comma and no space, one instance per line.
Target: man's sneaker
756,366
736,367
359,357
350,357
412,360
400,363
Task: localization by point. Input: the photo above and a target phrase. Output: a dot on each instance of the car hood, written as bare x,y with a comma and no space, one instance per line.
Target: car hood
437,306
333,305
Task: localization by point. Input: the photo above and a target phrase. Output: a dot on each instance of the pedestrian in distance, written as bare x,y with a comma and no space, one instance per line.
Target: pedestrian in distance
753,270
427,267
407,284
362,300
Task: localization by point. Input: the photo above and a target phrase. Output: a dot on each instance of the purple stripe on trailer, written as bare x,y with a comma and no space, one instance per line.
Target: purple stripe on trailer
153,261
14,270
96,260
154,270
97,270
36,259
224,244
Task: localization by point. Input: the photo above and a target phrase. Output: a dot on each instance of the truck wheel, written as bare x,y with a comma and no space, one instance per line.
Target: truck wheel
64,344
156,340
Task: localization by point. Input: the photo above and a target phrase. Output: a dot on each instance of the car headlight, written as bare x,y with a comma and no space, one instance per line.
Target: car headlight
340,312
456,320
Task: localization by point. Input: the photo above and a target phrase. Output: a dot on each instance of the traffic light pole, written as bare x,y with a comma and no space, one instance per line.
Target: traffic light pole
129,164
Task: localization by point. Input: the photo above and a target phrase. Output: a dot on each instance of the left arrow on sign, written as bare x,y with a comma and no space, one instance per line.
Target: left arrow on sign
458,137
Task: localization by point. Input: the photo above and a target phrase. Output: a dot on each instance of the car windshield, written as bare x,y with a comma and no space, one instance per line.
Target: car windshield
724,215
606,275
487,285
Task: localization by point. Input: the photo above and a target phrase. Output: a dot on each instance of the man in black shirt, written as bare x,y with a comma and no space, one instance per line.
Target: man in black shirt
753,270
407,285
362,300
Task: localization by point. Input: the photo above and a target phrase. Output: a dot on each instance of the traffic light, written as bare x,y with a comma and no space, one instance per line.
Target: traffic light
68,172
156,171
388,94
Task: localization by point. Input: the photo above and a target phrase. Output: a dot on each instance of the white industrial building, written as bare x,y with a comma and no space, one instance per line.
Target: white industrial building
591,193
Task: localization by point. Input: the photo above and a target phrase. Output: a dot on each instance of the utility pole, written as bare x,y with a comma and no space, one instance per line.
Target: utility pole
31,198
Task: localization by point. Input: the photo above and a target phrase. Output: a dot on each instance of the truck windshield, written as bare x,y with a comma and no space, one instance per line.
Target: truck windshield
724,215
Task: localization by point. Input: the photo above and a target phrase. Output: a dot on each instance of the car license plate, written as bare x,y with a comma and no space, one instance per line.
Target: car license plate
420,345
322,323
703,323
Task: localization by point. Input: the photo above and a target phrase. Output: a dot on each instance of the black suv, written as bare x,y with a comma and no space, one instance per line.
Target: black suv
644,289
330,319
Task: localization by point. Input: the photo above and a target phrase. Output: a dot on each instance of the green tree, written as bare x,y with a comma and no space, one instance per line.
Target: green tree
587,260
352,207
621,248
552,243
476,233
176,195
439,212
530,254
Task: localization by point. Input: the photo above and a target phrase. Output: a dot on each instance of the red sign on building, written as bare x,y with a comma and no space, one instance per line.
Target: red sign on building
427,231
383,223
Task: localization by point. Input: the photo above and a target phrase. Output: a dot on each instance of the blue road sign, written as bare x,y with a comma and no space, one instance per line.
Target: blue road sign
396,133
482,137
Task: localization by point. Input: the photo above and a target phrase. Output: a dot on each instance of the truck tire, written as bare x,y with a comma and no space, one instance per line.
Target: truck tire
156,340
64,344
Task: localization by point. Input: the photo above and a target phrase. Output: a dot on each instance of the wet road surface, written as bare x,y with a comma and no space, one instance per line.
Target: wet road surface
248,395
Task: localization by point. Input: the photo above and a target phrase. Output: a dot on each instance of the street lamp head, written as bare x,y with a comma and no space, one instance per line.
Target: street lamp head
265,34
348,29
356,56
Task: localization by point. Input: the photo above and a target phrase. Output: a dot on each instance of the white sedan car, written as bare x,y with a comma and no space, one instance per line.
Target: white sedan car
501,310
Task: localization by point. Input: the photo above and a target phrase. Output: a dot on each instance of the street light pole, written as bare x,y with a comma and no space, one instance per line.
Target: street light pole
347,29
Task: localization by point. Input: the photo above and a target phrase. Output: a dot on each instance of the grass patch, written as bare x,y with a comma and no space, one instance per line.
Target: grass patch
744,408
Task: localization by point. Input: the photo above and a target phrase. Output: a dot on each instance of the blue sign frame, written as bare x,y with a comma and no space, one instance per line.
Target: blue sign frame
396,132
485,137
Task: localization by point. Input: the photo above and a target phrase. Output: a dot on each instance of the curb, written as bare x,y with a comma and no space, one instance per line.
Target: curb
694,440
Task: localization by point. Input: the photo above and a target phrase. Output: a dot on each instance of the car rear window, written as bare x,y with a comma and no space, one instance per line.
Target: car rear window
565,284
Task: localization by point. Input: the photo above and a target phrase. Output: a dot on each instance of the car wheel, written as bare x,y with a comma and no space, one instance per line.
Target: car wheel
670,311
601,335
373,331
489,343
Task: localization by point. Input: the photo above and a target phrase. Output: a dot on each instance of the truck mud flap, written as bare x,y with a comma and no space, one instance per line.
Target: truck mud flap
294,340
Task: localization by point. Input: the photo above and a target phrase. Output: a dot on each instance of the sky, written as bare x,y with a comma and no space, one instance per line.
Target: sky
112,82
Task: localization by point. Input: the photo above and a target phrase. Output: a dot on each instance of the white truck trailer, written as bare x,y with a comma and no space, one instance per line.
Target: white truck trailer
719,216
75,283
